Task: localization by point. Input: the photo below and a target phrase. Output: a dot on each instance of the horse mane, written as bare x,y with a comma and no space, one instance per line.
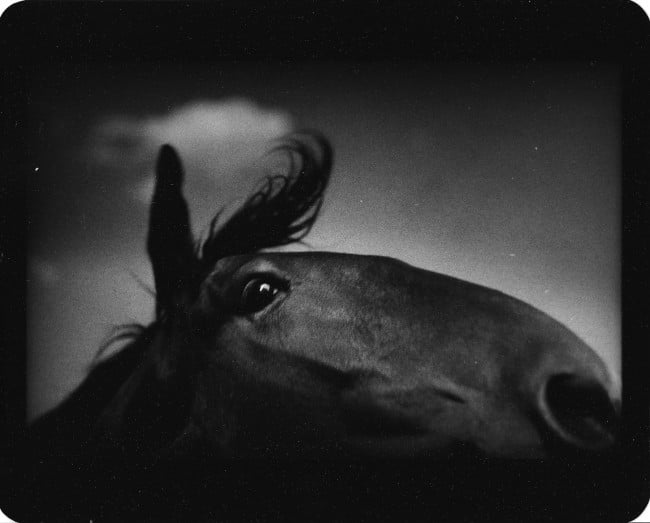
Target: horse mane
282,210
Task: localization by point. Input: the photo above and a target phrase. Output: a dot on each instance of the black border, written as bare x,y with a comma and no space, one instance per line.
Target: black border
84,33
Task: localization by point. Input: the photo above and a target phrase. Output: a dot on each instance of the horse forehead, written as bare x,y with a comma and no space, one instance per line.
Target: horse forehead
377,283
378,272
358,274
310,264
427,297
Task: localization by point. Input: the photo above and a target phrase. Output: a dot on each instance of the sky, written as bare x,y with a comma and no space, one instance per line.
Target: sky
504,175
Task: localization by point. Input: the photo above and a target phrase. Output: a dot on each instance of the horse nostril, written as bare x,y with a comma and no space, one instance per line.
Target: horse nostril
580,411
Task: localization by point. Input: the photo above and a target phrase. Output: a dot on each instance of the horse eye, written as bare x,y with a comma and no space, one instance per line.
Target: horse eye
258,294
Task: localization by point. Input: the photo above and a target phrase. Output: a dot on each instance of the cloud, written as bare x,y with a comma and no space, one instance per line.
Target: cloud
203,123
218,140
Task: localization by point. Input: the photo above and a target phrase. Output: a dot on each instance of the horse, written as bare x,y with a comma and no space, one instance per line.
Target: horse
259,354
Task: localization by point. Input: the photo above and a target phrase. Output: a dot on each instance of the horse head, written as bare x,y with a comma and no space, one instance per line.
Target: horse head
256,353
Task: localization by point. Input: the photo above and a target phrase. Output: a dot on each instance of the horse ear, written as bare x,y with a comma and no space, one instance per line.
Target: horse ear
169,243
